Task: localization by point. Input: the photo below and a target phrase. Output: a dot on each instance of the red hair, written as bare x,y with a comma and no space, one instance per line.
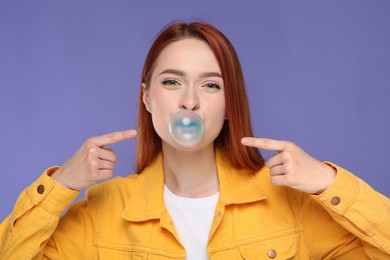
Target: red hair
238,123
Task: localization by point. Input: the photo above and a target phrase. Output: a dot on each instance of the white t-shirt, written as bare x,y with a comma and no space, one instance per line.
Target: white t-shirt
192,218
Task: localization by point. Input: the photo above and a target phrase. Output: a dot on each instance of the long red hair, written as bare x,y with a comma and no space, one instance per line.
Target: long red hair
238,123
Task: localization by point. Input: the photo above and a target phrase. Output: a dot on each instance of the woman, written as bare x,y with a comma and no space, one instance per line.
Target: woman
215,200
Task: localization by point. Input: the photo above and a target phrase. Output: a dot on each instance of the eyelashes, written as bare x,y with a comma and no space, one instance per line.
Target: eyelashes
212,86
171,83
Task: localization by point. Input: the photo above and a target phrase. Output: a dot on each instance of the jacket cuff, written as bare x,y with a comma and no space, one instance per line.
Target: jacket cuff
50,194
341,194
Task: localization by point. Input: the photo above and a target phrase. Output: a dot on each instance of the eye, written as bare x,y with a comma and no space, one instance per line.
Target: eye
170,82
211,87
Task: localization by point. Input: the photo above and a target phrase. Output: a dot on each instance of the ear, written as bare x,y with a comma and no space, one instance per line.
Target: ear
145,97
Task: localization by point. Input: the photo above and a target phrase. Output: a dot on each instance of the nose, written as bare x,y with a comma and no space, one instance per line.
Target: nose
189,100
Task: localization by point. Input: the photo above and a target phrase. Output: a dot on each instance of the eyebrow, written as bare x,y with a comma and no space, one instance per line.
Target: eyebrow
182,73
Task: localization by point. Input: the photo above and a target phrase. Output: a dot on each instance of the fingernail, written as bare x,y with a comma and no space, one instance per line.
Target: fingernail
244,141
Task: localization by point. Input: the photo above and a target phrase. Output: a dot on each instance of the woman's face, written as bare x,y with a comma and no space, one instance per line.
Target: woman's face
186,75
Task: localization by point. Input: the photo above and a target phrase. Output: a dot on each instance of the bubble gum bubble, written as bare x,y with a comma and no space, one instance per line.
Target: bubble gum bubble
186,128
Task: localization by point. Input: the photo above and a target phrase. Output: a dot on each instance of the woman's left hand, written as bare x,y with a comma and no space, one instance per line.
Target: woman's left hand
292,167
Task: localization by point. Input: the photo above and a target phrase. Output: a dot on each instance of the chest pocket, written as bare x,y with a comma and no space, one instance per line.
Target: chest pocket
105,253
281,247
116,251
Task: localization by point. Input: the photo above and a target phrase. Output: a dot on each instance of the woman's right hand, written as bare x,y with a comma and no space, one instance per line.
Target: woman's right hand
93,162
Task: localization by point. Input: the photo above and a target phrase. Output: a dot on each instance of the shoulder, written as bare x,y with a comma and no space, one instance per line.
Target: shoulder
115,188
276,194
263,177
102,201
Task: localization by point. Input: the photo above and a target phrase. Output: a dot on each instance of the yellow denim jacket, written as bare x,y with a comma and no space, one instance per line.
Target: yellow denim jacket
125,218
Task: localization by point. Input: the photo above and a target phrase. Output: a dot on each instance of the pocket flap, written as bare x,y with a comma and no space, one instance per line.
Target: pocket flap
283,247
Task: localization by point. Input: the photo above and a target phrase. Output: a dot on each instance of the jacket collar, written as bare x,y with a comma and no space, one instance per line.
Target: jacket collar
237,186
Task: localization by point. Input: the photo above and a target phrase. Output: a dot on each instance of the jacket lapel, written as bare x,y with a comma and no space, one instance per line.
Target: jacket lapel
147,202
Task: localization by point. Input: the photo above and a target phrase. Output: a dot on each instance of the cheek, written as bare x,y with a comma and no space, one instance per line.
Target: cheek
216,118
220,107
160,123
160,111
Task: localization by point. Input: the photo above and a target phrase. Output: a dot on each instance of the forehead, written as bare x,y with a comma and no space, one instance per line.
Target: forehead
190,55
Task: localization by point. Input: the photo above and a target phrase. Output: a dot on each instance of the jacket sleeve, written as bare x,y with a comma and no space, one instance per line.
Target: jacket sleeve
25,233
359,219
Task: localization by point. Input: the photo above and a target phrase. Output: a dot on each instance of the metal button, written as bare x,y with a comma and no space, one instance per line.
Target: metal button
335,201
271,253
41,189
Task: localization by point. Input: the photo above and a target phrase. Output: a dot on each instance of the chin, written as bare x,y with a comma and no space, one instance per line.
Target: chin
188,148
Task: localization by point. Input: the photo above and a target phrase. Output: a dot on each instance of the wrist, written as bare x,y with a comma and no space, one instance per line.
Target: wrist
329,175
58,176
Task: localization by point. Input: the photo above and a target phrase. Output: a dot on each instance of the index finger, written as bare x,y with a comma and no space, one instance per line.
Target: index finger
264,143
113,137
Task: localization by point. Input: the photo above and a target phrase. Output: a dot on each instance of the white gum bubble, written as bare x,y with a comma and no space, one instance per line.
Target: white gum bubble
186,128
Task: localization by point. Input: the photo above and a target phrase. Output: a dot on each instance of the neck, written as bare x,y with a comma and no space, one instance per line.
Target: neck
191,174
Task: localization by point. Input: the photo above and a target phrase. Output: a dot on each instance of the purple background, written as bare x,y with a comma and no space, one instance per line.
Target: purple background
317,74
